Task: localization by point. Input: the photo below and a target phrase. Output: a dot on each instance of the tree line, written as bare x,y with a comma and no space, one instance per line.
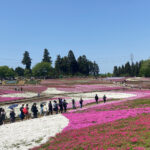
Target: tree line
63,66
127,69
139,69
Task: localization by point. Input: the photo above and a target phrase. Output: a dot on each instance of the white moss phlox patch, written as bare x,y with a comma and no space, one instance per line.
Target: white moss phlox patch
53,91
26,95
30,133
114,95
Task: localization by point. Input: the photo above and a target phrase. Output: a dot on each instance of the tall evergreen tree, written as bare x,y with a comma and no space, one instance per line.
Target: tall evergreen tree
83,65
127,69
46,57
115,71
95,69
122,69
58,64
73,66
26,60
65,65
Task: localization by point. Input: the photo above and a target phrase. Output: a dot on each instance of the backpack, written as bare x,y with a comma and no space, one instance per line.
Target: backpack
25,111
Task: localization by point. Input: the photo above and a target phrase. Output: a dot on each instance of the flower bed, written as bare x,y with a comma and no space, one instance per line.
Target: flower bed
33,88
6,99
89,88
25,95
30,133
7,91
93,117
125,134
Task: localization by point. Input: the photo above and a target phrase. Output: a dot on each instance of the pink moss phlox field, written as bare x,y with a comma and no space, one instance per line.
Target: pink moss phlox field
3,91
51,81
93,117
124,134
6,99
34,88
88,88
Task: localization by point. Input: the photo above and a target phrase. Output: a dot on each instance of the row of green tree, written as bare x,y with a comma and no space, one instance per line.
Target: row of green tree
63,66
141,68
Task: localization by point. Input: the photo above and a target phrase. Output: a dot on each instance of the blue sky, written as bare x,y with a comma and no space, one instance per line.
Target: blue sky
107,31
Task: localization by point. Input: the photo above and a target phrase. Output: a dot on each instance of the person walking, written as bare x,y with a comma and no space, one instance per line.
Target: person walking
34,110
81,102
12,116
26,111
44,110
65,105
56,107
41,111
1,119
73,104
104,98
3,114
96,98
21,112
50,108
60,105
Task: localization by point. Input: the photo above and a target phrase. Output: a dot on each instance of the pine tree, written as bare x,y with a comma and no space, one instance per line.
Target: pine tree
95,69
58,64
83,65
127,69
46,57
115,71
73,66
26,60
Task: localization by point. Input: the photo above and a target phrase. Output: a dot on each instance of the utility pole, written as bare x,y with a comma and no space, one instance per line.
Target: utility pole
131,57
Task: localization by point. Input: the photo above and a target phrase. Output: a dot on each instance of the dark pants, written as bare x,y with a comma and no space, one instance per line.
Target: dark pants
50,111
12,120
65,109
61,109
35,115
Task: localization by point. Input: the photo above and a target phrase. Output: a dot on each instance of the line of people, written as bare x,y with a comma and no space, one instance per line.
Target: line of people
24,110
57,107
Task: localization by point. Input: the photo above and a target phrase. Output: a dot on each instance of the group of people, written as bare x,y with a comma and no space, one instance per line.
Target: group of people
60,106
57,107
74,103
18,89
97,98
